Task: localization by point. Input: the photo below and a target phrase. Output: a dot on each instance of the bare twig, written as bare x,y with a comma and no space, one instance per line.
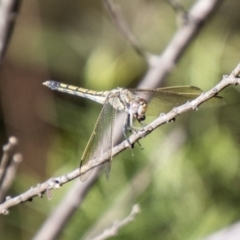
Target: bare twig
112,231
161,65
8,166
10,175
177,6
122,26
7,156
40,189
8,13
182,16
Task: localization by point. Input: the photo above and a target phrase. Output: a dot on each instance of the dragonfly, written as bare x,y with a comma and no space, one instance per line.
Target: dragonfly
136,103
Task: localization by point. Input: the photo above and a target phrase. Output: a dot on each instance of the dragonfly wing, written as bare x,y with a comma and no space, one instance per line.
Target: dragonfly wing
162,100
100,141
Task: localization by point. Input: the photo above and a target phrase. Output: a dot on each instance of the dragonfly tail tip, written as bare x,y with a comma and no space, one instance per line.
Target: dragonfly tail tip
51,84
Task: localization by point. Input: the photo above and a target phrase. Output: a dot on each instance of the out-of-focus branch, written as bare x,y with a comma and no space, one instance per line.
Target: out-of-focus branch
8,166
10,175
177,6
112,231
123,27
160,65
163,64
232,232
6,157
54,183
8,14
182,15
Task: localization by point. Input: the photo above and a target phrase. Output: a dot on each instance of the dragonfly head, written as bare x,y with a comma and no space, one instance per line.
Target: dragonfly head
141,111
138,108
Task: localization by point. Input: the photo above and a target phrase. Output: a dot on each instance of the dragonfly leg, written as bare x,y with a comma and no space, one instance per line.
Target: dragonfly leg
128,126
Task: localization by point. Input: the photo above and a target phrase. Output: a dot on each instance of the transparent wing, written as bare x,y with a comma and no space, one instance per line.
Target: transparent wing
101,139
162,100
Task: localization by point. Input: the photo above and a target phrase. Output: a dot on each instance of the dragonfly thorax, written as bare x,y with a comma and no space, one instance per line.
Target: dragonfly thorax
138,108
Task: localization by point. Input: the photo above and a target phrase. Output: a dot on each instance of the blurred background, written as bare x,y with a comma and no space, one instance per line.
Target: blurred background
187,178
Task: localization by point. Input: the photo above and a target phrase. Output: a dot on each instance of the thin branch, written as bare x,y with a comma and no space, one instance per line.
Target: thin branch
123,27
112,231
8,166
177,6
8,13
182,15
10,175
161,65
54,183
7,156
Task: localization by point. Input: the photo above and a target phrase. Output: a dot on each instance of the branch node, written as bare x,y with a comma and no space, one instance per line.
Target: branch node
19,199
8,198
176,110
62,179
13,140
182,15
215,91
17,158
5,212
54,183
235,82
193,105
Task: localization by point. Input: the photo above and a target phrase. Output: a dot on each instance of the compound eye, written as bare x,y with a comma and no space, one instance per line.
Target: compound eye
141,118
142,107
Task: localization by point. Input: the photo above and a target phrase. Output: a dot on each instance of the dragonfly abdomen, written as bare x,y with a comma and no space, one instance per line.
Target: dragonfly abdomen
96,96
